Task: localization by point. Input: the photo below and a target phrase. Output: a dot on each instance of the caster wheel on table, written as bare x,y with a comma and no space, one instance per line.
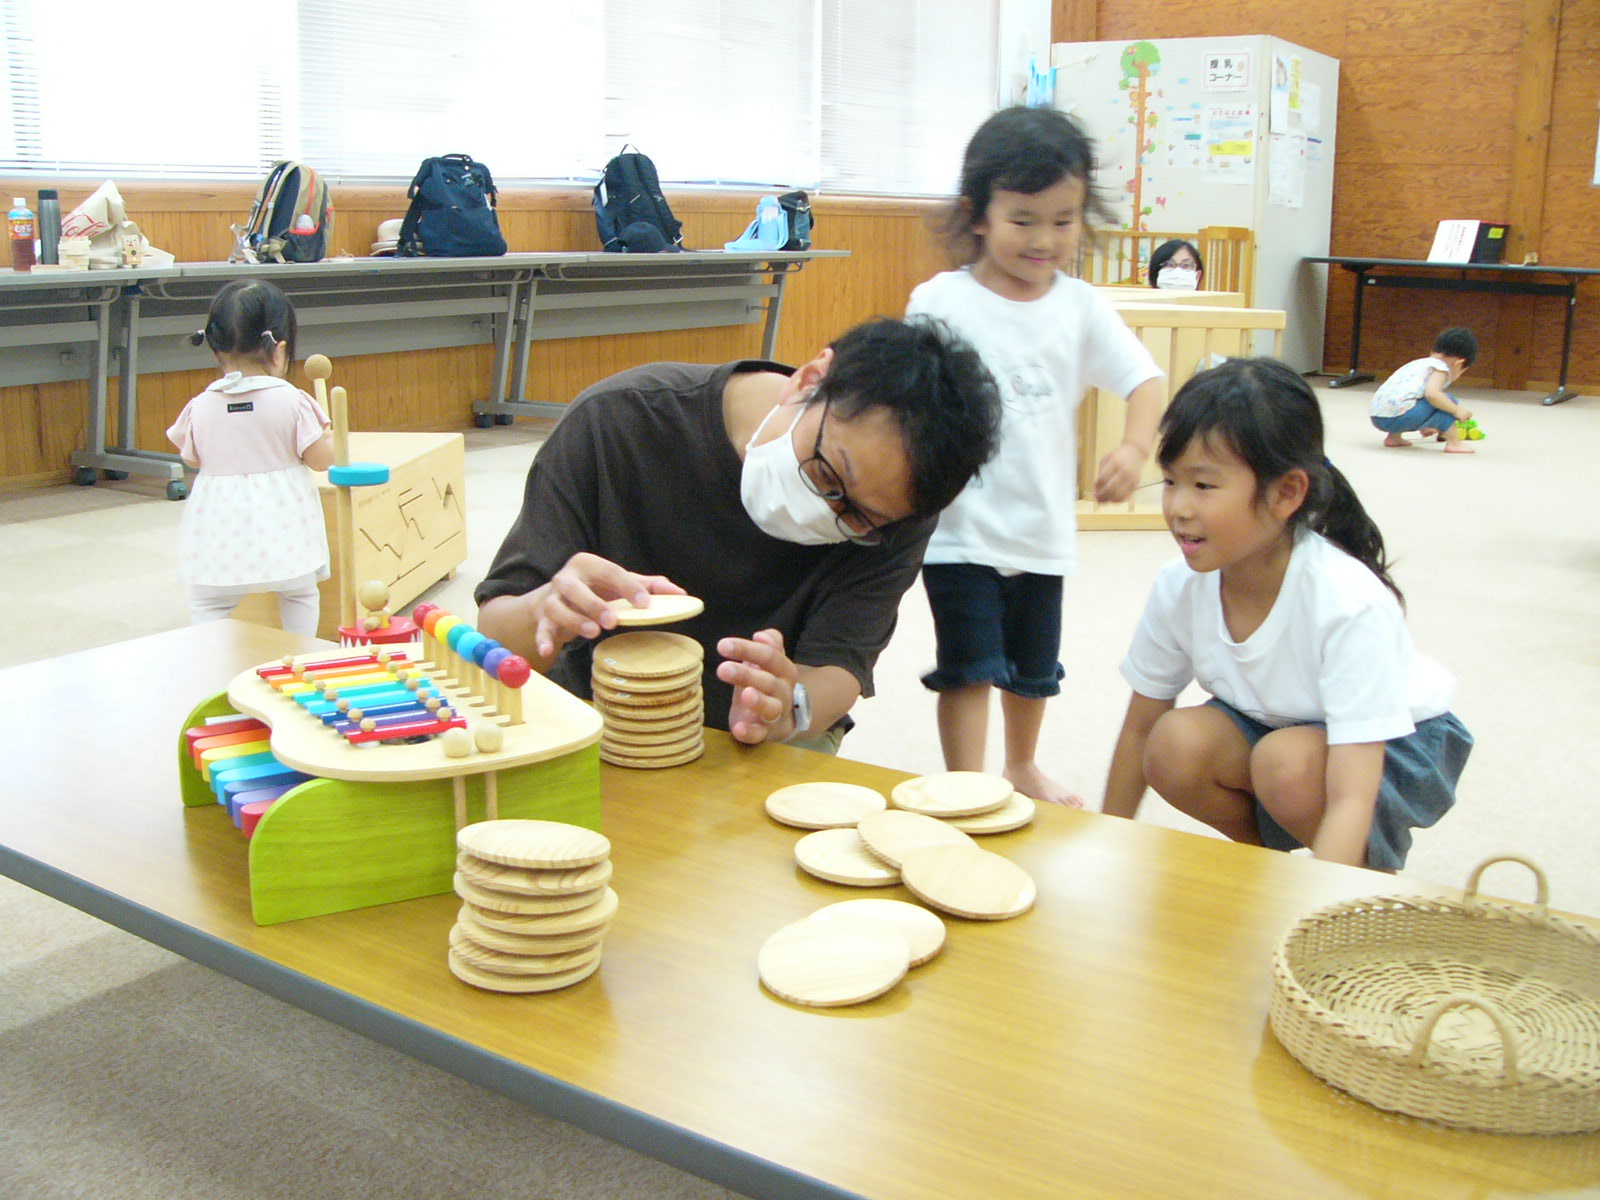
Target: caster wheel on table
177,489
503,418
116,474
483,420
85,476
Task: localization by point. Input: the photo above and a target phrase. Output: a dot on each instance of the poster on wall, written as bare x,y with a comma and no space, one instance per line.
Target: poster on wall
1286,170
1230,139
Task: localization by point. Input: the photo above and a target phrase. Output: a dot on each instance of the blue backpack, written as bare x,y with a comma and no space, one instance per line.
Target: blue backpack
452,213
629,209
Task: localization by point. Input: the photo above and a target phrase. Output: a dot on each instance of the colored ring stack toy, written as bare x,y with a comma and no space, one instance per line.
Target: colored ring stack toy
536,905
648,690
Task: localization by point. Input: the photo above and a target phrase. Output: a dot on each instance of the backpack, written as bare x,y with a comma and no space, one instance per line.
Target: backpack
290,221
629,209
797,208
452,213
769,231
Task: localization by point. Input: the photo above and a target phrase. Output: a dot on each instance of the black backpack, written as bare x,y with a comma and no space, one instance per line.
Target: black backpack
290,220
452,213
629,209
797,208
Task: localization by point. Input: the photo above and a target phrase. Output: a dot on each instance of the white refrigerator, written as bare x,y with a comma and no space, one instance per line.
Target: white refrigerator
1191,132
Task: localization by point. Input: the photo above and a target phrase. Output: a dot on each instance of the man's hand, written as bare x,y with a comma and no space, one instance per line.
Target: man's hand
763,678
575,601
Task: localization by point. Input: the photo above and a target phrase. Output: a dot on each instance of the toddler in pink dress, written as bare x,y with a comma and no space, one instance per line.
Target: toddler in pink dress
253,520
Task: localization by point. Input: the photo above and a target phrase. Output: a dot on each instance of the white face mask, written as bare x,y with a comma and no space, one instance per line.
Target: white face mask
1178,279
775,496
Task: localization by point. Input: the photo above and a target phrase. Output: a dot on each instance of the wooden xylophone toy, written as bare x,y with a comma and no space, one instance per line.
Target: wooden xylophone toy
368,759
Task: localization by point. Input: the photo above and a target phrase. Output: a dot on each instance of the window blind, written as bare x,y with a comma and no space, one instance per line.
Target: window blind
842,94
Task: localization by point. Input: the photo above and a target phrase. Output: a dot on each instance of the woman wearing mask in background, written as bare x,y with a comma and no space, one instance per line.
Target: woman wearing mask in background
1175,266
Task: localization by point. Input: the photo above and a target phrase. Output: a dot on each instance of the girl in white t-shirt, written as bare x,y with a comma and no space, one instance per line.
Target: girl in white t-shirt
995,565
253,521
1325,728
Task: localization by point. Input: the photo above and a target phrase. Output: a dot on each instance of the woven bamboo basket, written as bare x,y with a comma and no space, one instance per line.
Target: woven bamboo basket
1477,1013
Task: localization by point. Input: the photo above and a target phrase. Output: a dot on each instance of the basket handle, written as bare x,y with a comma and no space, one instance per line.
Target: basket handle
1508,1043
1540,899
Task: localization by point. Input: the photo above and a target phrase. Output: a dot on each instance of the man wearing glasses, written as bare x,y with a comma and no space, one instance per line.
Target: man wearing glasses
796,503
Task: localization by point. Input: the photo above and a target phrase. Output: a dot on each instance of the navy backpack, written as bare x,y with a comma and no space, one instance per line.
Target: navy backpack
452,213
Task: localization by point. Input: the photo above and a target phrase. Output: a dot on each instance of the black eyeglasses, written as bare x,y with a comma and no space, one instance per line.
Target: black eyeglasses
824,481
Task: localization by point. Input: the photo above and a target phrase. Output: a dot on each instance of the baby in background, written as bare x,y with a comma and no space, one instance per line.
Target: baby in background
1414,398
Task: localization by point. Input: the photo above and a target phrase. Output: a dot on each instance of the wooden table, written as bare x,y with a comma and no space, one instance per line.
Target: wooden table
1111,1043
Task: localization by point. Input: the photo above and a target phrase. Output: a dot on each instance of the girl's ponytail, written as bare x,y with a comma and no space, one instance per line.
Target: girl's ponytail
1343,520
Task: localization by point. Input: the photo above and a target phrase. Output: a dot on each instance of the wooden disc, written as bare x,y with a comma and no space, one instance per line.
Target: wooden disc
643,655
524,906
676,760
1013,814
680,681
653,734
823,805
952,793
893,833
491,981
645,739
468,921
525,843
673,712
826,964
838,856
968,882
681,698
661,610
923,930
544,924
533,881
502,963
647,720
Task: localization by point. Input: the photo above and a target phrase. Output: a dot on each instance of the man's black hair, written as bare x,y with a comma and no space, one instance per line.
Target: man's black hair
942,396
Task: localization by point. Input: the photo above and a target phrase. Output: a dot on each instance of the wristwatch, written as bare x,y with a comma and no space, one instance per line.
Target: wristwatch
800,713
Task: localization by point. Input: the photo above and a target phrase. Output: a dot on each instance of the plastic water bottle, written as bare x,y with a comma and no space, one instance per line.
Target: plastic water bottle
49,226
21,221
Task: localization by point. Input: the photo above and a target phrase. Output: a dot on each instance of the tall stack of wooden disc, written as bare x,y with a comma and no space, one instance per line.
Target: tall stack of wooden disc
536,905
647,688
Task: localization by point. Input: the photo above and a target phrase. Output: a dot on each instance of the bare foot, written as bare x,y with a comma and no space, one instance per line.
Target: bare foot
1457,448
1394,439
1036,785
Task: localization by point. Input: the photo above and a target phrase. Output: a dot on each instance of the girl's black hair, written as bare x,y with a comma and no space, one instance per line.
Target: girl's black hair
1018,149
248,317
1163,254
1263,411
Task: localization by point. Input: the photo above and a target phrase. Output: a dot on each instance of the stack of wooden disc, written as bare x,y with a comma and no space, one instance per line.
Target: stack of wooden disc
536,905
972,801
849,952
647,688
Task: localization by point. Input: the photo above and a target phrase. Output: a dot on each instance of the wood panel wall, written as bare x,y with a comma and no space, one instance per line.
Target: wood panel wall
891,243
1436,116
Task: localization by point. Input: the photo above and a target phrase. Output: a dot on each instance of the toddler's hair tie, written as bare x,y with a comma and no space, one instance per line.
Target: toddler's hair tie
197,338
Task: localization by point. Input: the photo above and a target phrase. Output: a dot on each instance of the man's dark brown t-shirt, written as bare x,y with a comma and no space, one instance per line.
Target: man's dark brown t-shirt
640,471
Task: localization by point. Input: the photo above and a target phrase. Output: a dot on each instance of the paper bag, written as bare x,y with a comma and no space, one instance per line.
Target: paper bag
114,240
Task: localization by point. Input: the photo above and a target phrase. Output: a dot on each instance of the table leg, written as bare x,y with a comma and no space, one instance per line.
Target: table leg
1355,374
1562,392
